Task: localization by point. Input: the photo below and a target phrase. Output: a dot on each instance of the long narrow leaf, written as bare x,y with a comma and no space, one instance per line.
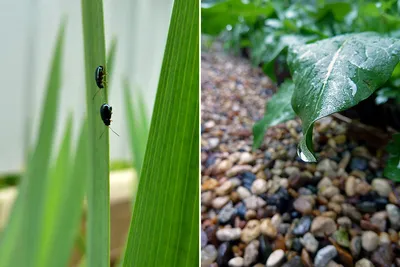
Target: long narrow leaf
98,219
164,226
68,221
21,234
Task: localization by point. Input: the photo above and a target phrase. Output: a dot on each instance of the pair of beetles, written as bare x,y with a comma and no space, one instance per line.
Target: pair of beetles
105,109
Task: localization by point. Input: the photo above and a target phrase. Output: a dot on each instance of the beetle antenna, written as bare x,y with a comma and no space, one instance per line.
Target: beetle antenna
96,94
102,133
113,130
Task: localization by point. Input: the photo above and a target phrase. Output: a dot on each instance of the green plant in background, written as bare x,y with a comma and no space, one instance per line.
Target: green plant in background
330,75
51,193
164,226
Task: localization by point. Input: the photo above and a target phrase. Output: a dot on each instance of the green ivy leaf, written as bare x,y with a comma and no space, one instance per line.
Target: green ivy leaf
277,110
215,17
335,74
392,169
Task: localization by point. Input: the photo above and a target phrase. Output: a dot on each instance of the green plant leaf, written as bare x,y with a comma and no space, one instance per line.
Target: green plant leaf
165,221
335,74
138,138
111,59
18,242
215,17
392,169
277,110
70,208
53,192
98,191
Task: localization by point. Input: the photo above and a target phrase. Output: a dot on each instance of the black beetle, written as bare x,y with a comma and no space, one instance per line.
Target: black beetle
105,113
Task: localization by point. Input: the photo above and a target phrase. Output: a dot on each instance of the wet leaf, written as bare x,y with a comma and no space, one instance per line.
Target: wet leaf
277,110
337,73
392,169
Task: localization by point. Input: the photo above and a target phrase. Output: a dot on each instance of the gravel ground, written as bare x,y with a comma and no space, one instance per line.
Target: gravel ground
268,208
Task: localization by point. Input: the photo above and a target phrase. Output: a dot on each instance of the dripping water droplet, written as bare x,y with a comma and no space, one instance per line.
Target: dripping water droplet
302,155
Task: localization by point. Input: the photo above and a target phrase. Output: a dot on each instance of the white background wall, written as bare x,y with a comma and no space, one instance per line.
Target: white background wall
28,30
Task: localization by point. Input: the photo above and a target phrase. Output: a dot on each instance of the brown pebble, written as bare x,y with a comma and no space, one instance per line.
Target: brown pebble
329,214
345,257
209,184
322,200
306,259
293,193
280,243
393,198
235,197
366,225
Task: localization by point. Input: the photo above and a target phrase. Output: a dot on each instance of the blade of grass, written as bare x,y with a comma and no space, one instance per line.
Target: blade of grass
138,143
164,225
71,207
53,191
21,233
111,59
98,196
143,113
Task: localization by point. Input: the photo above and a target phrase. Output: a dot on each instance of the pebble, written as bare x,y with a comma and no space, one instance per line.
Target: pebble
259,186
224,254
209,184
276,258
351,212
228,234
323,225
329,191
243,192
303,226
363,188
325,182
384,238
383,256
306,259
309,242
381,186
358,164
251,231
219,202
293,262
236,262
344,222
379,219
238,169
208,255
369,240
327,165
224,188
246,158
206,198
364,263
303,205
342,237
355,246
291,171
394,216
350,186
268,229
223,166
226,213
204,239
213,142
253,202
276,220
324,255
251,252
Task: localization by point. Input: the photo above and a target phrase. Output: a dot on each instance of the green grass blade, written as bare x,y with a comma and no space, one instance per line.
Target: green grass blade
98,216
54,191
164,225
21,233
111,59
143,112
138,144
71,206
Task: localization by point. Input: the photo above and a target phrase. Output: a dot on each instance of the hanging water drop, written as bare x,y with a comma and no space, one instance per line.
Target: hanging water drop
302,156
